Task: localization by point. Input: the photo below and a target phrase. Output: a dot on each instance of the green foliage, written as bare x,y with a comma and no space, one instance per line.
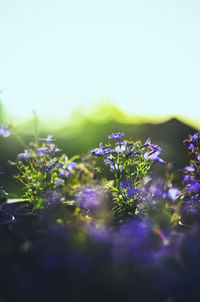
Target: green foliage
42,169
129,162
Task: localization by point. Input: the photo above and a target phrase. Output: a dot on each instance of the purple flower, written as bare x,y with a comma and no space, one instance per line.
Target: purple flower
158,188
139,241
64,173
125,183
198,157
132,152
42,151
192,148
100,151
4,130
193,186
89,197
112,165
155,156
189,207
48,140
154,153
153,148
52,149
143,250
119,148
190,168
97,152
53,163
147,143
107,160
71,166
131,191
173,193
59,181
187,178
192,142
116,136
192,138
25,155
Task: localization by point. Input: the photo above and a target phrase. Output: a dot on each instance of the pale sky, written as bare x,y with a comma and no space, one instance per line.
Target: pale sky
59,55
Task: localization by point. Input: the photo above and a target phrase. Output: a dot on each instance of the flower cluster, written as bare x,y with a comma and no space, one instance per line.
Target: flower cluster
191,178
129,163
192,172
42,169
144,244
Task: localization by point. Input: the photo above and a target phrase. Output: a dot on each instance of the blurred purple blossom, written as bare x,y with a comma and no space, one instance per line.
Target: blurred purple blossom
25,155
131,191
99,233
141,242
71,166
64,173
173,193
48,140
42,151
89,197
187,177
119,148
157,188
47,150
125,183
4,130
160,189
192,185
59,181
190,168
53,149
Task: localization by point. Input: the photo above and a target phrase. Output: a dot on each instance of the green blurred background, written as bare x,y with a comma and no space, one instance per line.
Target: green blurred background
81,133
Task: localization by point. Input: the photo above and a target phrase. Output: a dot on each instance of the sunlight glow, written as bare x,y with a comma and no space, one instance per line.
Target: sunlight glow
57,56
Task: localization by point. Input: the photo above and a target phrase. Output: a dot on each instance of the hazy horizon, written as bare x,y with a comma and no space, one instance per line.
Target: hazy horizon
102,112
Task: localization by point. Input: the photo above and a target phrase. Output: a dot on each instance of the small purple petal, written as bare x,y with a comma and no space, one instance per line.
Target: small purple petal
63,172
25,155
116,136
173,193
190,168
59,181
4,130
